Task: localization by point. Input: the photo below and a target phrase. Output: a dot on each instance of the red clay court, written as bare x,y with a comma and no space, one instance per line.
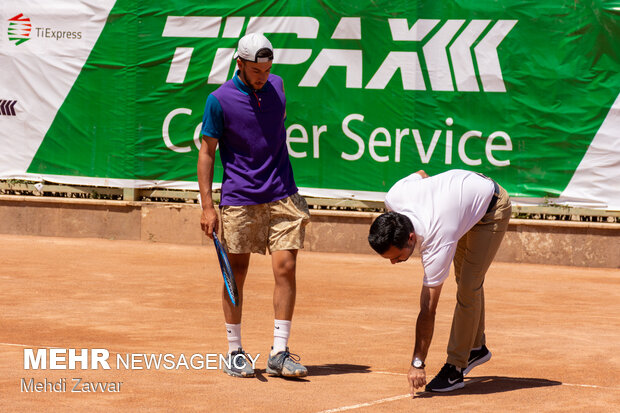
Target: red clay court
553,330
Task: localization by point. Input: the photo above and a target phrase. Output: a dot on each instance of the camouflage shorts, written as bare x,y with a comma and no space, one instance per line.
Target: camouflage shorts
278,225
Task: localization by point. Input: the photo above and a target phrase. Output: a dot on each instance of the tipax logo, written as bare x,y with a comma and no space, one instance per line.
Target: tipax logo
19,29
7,107
447,52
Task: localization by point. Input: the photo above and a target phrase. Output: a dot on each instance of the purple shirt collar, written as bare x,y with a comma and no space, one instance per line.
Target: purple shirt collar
245,89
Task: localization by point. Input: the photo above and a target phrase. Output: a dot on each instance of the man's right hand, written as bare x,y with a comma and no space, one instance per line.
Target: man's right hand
206,159
416,378
208,221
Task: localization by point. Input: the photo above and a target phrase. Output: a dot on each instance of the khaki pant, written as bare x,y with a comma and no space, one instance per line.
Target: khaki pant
474,253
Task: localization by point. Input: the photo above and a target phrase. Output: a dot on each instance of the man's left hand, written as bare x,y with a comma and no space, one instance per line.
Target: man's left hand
417,378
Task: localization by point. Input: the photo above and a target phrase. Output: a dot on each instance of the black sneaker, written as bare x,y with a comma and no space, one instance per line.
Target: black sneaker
448,379
476,358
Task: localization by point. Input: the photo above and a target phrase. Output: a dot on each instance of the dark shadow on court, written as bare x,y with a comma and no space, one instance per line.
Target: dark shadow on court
493,384
319,370
262,376
331,369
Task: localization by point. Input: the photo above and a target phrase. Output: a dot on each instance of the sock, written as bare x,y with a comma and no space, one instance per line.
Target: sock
281,331
233,332
477,348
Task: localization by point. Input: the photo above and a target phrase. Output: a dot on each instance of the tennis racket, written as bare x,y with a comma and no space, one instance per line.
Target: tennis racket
229,278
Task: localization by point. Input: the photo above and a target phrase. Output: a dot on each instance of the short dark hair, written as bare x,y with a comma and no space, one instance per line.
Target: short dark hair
389,229
265,52
262,55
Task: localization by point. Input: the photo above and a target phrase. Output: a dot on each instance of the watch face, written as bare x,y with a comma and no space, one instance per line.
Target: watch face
417,364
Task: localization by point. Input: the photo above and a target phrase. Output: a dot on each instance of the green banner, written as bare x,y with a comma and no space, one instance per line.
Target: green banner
375,90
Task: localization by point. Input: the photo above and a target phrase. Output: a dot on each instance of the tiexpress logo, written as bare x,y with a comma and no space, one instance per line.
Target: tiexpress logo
19,29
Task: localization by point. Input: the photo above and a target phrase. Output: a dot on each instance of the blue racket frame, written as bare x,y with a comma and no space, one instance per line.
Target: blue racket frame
229,277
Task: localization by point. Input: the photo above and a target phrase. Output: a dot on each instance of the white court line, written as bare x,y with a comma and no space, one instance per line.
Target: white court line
404,396
357,406
33,346
590,385
475,380
389,399
25,345
594,386
360,371
389,372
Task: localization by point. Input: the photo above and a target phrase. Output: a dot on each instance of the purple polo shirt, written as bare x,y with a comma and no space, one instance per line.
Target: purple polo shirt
249,125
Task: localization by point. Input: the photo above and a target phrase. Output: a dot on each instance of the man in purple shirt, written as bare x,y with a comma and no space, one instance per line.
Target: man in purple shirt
260,207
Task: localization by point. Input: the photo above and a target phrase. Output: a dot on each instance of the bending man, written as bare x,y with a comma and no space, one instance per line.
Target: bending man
456,215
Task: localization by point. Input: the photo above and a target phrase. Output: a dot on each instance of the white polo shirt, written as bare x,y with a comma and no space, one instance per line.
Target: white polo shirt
442,209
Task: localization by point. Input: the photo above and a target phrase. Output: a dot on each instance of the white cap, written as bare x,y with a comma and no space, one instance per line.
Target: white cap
253,44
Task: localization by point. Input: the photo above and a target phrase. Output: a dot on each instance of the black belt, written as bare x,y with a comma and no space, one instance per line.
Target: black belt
495,196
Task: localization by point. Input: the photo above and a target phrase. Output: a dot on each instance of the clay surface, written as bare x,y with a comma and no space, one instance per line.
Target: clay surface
553,330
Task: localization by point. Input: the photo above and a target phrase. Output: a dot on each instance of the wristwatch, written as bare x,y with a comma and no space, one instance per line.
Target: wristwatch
417,363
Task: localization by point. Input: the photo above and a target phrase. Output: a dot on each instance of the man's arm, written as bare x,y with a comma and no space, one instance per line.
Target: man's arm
429,297
206,160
